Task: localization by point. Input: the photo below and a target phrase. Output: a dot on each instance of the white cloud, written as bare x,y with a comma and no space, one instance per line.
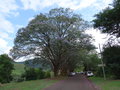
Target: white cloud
73,4
30,4
6,6
31,18
98,37
101,4
3,43
4,35
5,25
85,4
19,26
4,47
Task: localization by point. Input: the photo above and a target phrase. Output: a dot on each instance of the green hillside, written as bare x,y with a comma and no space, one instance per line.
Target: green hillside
18,69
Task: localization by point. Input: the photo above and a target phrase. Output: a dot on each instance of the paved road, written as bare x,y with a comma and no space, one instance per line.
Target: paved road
78,82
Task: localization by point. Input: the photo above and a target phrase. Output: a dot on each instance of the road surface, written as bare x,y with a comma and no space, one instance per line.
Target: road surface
77,82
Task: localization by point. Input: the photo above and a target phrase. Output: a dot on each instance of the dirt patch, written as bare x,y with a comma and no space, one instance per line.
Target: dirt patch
1,84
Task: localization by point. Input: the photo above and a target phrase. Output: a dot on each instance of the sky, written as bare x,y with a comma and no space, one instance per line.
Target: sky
15,14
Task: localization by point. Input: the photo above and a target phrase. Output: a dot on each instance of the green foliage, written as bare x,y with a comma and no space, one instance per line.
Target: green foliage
40,73
89,60
108,20
92,62
111,57
17,78
22,73
6,68
30,74
47,74
35,73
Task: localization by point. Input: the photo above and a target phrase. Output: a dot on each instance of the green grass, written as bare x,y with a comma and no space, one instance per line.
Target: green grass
28,85
18,69
106,84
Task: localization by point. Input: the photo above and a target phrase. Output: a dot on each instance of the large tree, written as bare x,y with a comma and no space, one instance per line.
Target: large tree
108,21
54,37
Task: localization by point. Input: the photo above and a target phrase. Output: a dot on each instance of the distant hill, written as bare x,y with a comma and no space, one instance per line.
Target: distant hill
19,66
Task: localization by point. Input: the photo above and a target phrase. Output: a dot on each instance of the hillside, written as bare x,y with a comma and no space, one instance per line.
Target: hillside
18,69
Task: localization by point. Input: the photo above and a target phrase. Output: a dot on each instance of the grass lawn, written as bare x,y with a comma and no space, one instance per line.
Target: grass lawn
28,85
106,84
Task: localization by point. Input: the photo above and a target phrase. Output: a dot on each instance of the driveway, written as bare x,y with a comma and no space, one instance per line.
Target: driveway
77,82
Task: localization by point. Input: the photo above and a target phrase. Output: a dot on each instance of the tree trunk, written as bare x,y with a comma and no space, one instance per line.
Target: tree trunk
55,71
64,72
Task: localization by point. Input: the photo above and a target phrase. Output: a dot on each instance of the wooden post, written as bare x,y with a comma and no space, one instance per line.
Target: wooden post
103,69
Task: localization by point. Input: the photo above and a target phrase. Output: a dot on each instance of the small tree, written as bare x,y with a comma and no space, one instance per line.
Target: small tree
6,68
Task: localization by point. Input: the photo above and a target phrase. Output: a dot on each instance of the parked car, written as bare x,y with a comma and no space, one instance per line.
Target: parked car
71,74
89,73
82,72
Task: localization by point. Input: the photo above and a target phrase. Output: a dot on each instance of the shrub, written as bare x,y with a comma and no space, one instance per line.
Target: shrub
47,74
30,74
17,78
40,73
33,74
6,68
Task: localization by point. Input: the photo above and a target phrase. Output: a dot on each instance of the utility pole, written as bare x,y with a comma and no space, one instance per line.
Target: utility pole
103,69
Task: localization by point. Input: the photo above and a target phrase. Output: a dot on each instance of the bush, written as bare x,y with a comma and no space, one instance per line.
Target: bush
40,73
47,74
99,72
33,74
17,78
6,68
30,74
20,79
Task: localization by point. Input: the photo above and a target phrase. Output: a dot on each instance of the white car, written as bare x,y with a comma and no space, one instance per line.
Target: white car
89,73
72,74
82,72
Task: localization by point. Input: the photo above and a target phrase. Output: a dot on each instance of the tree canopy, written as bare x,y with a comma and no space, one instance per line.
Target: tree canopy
108,20
55,37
